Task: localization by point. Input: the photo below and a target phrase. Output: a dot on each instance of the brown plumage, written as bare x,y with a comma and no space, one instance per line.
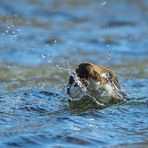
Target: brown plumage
88,71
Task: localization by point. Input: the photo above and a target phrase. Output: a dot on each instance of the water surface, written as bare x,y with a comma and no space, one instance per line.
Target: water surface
40,38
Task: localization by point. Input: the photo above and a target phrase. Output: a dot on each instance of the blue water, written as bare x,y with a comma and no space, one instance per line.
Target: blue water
41,38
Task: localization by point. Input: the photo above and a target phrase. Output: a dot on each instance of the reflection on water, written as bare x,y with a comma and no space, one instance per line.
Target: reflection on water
39,39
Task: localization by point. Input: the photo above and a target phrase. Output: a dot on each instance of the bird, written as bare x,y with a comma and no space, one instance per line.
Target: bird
94,84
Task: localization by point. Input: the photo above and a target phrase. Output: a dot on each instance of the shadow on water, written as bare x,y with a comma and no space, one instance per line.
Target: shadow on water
38,39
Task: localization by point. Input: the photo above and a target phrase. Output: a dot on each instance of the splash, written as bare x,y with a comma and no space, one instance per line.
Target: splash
11,30
46,57
85,93
76,79
120,94
72,73
103,3
109,57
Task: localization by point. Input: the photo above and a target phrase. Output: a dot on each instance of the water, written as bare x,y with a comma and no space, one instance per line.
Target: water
38,37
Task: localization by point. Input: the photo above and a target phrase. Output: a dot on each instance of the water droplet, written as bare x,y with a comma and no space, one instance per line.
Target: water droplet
49,60
18,30
107,45
47,45
6,31
131,38
109,56
55,41
16,15
43,56
103,3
